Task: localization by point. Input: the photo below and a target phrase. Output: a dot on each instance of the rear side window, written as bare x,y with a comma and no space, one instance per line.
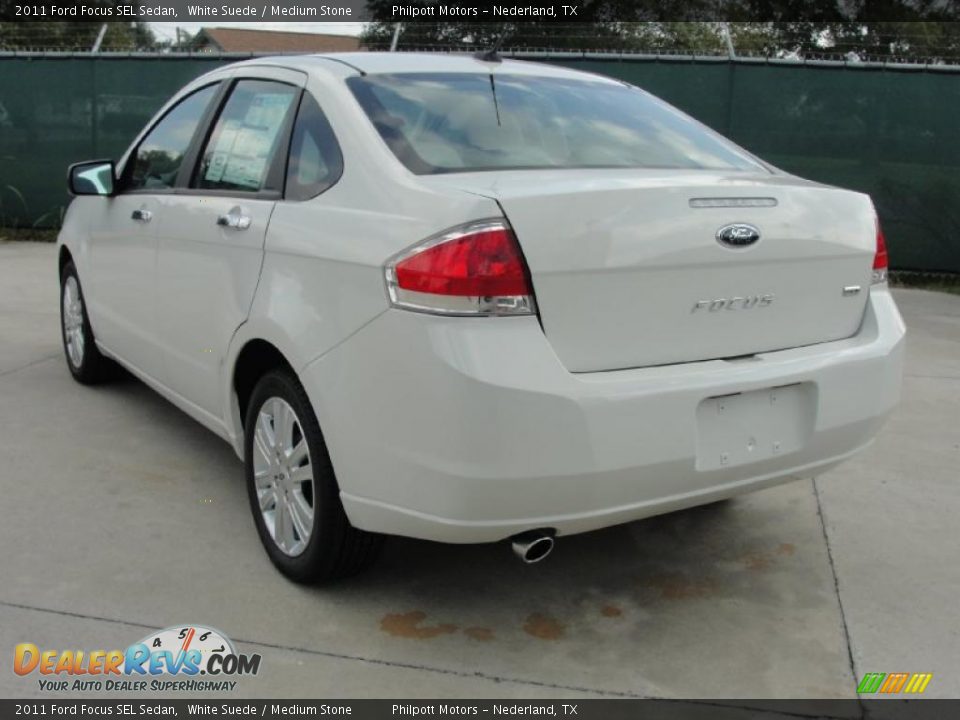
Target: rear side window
316,162
157,160
246,138
437,123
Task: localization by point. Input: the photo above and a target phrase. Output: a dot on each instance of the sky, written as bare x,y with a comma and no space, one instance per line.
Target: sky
168,31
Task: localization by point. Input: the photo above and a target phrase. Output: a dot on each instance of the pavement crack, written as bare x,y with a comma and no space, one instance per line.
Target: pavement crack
30,364
836,588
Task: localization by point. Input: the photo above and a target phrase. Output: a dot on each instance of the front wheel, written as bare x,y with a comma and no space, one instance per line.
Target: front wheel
86,363
293,492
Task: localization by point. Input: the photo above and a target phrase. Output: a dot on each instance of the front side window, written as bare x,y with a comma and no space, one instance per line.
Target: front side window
247,136
316,162
157,160
440,123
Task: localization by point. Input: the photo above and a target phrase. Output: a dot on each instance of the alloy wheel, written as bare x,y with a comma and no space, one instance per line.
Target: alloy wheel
283,475
73,321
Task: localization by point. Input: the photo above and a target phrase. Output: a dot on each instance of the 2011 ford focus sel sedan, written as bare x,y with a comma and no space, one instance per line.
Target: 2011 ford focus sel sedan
466,300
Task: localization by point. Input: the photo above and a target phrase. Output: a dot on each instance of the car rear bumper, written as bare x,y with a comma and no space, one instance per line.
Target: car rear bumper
470,430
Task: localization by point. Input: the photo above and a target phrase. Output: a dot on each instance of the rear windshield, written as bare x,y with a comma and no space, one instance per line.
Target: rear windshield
442,123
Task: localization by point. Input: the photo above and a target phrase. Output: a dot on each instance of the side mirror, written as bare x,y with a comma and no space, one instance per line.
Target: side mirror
94,177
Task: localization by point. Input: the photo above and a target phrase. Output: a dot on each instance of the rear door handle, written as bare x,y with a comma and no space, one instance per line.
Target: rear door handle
237,222
141,215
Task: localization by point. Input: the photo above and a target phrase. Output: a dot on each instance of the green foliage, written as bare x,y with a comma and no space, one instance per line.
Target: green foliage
875,29
10,234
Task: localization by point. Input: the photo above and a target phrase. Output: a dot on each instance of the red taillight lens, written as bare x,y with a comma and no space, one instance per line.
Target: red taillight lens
880,260
476,269
483,263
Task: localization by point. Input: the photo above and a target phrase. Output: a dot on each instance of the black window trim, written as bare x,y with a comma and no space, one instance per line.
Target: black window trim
286,164
125,175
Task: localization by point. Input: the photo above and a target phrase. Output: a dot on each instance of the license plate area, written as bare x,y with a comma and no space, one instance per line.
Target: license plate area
753,426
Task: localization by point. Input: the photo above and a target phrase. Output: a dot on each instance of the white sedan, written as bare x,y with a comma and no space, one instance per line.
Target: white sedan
465,299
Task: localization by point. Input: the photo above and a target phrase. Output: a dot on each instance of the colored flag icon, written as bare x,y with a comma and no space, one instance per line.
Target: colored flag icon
894,683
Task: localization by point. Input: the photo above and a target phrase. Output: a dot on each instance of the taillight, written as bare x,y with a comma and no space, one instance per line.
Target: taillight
880,260
473,269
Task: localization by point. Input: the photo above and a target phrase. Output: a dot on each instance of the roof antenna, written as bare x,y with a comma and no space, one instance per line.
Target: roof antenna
492,55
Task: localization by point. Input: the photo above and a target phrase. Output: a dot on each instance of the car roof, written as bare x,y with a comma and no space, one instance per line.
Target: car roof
375,63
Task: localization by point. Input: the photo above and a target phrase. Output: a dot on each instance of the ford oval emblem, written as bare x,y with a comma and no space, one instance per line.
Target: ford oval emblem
738,236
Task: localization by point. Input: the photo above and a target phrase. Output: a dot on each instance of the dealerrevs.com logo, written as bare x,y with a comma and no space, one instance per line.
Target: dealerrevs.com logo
187,658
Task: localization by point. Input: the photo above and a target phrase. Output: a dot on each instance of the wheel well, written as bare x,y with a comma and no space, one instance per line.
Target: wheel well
257,358
65,257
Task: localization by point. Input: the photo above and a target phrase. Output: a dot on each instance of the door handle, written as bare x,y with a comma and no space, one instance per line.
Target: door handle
141,215
237,222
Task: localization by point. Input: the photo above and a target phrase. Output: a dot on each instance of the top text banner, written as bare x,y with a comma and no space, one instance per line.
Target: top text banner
285,11
507,11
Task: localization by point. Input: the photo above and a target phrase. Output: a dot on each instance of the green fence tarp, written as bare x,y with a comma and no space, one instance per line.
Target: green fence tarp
893,134
59,110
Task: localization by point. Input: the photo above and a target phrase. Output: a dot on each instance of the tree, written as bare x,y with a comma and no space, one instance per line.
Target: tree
865,28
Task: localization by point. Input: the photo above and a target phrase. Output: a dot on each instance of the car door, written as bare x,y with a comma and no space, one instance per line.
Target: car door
212,230
121,288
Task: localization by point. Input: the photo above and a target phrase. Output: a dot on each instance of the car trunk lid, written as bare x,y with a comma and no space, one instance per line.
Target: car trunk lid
628,270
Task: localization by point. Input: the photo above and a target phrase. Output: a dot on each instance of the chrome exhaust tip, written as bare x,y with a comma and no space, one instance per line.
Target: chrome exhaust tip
533,546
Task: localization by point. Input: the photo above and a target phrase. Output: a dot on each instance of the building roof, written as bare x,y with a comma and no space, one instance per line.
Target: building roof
270,41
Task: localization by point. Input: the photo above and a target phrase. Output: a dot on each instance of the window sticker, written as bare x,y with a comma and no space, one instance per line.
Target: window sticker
267,110
245,172
221,153
242,152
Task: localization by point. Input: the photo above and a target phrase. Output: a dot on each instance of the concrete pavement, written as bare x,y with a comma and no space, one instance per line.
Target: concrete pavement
121,515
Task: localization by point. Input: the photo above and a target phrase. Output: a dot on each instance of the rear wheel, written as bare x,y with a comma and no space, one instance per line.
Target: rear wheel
86,363
292,488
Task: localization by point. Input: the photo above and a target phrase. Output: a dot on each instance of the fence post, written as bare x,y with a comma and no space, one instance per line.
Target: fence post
94,110
731,87
731,51
99,40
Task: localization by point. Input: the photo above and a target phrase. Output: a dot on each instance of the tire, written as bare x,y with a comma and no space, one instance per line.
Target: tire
307,548
86,363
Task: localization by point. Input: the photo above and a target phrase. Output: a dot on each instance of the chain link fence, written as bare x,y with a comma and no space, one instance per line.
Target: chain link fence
888,129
